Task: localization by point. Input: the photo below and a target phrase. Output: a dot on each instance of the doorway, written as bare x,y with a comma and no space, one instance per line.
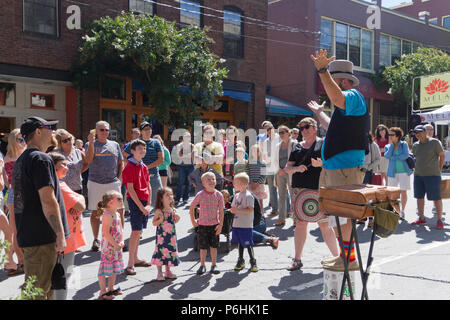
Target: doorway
6,125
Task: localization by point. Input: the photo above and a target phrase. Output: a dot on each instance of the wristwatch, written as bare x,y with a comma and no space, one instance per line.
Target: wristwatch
322,70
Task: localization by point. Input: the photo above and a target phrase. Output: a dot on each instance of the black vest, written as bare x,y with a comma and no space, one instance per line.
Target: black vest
347,133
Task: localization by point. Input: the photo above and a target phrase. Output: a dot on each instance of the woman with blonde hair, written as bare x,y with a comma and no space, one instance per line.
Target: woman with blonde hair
16,146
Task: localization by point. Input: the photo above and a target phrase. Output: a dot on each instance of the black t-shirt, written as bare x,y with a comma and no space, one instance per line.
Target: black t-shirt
34,170
310,178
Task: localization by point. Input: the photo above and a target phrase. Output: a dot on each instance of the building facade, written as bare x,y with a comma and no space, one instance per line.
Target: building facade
438,10
347,32
43,39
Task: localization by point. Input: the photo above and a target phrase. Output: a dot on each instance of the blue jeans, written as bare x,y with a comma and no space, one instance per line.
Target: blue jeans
258,232
273,200
183,173
368,177
155,184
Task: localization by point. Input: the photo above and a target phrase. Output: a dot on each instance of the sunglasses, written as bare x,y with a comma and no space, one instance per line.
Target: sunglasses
103,130
119,199
66,140
391,134
20,140
305,127
282,132
48,127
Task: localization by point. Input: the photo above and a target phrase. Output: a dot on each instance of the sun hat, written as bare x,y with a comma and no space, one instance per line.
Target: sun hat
343,69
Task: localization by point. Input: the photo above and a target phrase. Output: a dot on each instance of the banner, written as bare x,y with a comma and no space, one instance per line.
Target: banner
435,90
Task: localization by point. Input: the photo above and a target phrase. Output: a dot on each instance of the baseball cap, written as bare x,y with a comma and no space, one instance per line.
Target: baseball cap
419,128
144,124
33,123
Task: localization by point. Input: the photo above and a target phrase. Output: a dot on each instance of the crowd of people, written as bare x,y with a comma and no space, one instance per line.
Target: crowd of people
51,178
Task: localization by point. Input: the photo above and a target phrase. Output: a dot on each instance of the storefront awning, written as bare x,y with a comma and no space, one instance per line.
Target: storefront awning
280,108
238,95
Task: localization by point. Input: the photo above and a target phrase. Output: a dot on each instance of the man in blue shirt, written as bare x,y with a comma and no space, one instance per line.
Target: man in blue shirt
153,158
346,140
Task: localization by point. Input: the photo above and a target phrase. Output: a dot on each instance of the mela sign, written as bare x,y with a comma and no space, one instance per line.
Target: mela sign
435,90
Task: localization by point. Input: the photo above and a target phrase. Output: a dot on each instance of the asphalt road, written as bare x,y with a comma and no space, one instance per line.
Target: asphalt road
412,264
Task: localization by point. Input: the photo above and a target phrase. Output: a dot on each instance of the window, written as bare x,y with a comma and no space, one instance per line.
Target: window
415,46
406,47
446,22
341,41
7,94
351,43
396,49
233,43
326,36
190,13
385,58
44,101
113,88
40,16
142,6
221,106
433,21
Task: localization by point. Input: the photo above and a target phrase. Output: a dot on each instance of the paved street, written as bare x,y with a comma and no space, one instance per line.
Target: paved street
411,264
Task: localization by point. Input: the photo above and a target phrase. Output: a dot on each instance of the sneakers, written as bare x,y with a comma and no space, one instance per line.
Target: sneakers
440,224
253,266
214,270
418,222
160,277
338,265
170,275
240,265
296,265
95,245
402,215
273,242
201,270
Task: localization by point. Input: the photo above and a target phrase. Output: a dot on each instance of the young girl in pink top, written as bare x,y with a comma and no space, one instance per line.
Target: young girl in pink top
75,205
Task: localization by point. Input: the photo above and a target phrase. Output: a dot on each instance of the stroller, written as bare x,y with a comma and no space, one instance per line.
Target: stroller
226,229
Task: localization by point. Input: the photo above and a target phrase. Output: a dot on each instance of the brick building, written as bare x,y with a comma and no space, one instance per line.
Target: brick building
344,28
438,10
42,39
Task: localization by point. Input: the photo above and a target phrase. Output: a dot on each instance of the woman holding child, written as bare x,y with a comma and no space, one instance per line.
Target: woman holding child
305,165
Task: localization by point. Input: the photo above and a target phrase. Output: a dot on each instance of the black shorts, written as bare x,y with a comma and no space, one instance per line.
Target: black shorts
163,173
207,237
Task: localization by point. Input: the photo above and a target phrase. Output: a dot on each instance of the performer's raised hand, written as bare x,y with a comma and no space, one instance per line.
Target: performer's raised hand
315,107
320,60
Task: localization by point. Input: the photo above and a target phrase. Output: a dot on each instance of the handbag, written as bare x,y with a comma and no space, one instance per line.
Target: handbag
376,177
58,276
411,161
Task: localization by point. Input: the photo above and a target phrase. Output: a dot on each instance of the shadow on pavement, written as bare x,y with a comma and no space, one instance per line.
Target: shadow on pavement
86,257
291,287
194,284
92,290
147,289
230,279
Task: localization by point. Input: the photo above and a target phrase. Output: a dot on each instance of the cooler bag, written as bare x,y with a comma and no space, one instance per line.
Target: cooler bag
356,201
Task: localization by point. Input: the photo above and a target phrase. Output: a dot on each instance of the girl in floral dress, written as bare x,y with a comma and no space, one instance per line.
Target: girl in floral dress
111,263
166,239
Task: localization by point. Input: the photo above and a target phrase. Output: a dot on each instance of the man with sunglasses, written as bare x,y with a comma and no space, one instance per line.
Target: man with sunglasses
346,140
39,210
105,173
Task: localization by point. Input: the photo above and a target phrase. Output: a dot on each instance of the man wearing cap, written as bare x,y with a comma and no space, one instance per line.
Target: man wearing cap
38,205
184,155
105,173
153,158
346,141
430,157
268,142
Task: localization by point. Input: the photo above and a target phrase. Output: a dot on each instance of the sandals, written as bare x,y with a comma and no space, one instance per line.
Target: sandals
296,265
130,271
142,264
117,292
20,270
106,296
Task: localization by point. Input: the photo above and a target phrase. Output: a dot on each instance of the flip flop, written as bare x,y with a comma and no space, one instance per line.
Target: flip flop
106,296
142,264
117,292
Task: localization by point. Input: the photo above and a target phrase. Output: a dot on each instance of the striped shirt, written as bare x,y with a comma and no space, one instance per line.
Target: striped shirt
255,172
210,203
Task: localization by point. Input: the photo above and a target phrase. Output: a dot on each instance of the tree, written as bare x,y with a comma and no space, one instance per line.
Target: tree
175,65
425,61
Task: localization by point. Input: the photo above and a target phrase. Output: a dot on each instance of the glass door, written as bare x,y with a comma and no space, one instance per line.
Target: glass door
116,119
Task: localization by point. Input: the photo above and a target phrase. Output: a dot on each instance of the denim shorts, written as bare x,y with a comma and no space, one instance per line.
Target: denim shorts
137,219
431,185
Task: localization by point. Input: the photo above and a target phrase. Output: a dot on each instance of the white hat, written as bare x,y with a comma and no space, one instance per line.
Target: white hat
343,69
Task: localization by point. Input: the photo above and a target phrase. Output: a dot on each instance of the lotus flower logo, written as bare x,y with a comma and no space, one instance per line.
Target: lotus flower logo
437,85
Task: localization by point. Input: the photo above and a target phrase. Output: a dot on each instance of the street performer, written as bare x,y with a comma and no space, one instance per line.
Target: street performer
346,141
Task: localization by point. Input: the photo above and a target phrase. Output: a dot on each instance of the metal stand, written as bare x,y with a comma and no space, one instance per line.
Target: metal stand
346,260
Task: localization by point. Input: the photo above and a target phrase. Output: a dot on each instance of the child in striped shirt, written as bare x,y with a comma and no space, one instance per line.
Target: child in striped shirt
210,220
255,170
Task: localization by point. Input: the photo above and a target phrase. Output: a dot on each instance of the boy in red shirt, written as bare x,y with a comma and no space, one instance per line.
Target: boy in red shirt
136,179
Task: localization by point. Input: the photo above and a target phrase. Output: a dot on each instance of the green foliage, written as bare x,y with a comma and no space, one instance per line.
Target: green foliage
425,61
378,78
29,291
4,247
175,66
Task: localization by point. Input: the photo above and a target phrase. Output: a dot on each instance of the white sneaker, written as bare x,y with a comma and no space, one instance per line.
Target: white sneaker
402,215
